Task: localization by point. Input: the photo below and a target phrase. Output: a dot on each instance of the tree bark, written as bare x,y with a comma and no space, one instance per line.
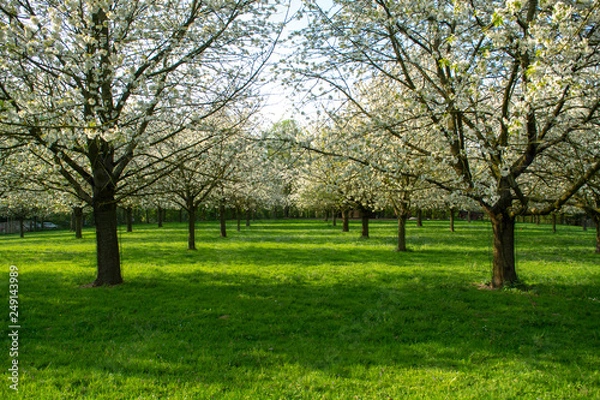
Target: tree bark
420,218
402,218
159,216
554,222
597,222
129,218
248,216
345,220
596,219
452,214
402,213
238,218
78,222
192,211
364,216
222,220
107,241
503,265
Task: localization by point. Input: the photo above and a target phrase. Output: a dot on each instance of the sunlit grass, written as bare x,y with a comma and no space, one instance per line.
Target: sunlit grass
298,309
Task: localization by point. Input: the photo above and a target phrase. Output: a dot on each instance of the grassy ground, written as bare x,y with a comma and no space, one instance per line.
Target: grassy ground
300,310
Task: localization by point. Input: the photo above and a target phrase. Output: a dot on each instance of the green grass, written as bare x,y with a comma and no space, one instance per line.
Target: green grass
299,310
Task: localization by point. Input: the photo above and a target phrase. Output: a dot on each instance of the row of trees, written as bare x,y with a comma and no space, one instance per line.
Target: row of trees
95,90
493,101
487,105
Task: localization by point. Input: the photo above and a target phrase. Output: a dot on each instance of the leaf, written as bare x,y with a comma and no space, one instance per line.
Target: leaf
497,19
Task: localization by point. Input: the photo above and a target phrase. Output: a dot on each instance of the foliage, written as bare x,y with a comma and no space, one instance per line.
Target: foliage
484,94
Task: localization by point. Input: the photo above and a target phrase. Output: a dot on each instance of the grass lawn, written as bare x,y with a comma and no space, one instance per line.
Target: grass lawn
299,310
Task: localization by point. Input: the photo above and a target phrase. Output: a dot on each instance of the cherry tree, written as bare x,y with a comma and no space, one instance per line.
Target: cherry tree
498,88
96,83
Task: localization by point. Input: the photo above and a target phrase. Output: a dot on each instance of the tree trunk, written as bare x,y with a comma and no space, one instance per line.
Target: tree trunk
345,220
107,241
129,218
78,222
596,220
402,218
192,210
334,216
238,218
364,216
452,213
248,216
554,222
420,218
159,216
503,265
222,220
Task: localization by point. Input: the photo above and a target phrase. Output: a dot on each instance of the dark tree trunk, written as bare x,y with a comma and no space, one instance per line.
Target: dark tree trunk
222,220
248,216
420,218
78,222
503,265
107,241
334,216
402,213
469,216
596,219
191,210
238,218
364,217
598,235
554,222
147,212
452,214
345,220
129,219
402,218
159,216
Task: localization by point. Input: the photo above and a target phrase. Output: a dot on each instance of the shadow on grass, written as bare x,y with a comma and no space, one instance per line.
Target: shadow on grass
229,331
282,302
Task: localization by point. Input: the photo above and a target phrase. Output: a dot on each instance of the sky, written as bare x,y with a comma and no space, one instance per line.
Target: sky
280,102
278,105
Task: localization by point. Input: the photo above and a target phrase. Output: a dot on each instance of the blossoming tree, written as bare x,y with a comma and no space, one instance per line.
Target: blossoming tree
94,83
500,86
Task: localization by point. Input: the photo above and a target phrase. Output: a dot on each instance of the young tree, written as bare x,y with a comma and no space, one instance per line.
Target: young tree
589,201
498,87
95,83
194,174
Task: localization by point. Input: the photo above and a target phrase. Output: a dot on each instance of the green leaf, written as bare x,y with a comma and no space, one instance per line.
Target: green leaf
497,19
